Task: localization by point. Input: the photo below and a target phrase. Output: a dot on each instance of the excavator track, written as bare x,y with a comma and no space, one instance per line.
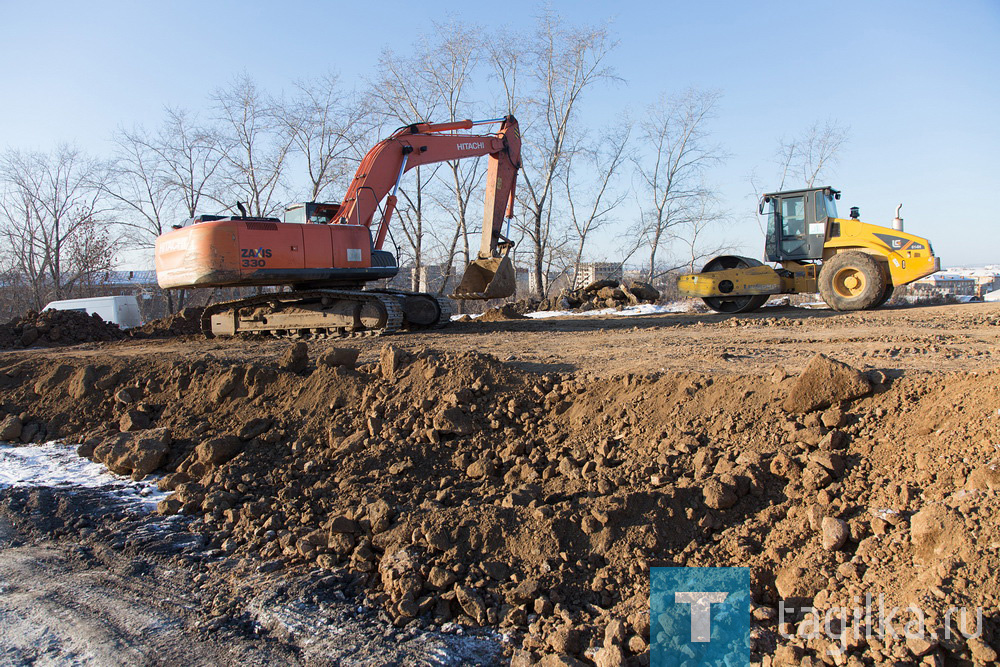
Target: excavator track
325,313
439,318
306,314
444,319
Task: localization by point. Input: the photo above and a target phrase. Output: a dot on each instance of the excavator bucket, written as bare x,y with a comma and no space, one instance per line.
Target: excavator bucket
487,278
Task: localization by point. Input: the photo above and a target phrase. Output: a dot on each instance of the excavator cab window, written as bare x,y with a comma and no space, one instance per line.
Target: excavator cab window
296,214
312,213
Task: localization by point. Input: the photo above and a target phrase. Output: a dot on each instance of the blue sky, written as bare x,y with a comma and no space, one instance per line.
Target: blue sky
917,82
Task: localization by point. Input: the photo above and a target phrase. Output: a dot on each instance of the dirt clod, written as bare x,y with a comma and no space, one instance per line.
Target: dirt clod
824,382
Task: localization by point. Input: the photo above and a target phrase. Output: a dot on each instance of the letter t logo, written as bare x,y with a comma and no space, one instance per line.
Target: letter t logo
701,612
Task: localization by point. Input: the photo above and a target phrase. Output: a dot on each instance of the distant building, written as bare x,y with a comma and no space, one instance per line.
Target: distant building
987,279
946,283
591,272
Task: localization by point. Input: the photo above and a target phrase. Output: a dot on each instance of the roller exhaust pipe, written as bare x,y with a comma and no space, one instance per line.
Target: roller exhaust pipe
897,222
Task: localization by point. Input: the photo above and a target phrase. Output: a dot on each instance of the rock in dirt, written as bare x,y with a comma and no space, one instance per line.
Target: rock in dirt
82,382
453,420
339,356
508,311
937,531
471,603
718,495
296,359
254,427
10,428
824,382
391,361
835,533
983,478
218,450
134,453
797,584
134,420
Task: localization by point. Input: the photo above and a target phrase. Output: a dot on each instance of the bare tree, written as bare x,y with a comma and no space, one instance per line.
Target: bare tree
808,156
590,206
690,234
327,126
256,145
448,64
820,149
53,216
140,187
404,93
671,176
192,156
544,77
811,154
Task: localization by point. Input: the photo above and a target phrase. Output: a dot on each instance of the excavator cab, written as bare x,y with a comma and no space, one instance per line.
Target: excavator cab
797,222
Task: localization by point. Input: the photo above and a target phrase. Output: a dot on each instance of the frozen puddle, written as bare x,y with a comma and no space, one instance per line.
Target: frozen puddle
57,465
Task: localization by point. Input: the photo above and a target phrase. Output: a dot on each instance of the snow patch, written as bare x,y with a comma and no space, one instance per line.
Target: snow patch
58,465
628,311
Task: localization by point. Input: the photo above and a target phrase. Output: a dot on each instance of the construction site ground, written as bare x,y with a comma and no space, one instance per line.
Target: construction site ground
497,491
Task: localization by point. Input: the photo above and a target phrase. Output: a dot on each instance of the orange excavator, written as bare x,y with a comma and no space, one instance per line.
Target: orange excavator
325,253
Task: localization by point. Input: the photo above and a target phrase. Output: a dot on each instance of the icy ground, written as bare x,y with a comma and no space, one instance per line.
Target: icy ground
629,311
57,465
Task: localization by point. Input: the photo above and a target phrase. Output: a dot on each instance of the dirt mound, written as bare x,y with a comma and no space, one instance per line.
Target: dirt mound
185,323
508,311
457,488
57,327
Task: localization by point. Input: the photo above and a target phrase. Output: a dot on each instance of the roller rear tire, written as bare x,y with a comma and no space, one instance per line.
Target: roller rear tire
852,280
886,295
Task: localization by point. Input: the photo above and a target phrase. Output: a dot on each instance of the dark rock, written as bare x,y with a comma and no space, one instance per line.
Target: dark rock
339,356
218,450
134,420
296,359
10,428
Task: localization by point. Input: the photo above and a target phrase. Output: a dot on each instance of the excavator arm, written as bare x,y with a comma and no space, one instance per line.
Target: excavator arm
378,177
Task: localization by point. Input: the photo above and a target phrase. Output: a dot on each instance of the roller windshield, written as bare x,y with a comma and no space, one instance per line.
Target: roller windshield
826,206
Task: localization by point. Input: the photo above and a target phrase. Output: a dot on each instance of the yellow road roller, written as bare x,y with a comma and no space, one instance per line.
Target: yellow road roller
853,265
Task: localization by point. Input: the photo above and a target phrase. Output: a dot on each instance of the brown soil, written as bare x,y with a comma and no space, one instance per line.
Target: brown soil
505,312
525,475
185,323
57,327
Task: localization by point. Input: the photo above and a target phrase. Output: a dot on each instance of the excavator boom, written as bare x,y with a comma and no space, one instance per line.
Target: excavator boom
491,274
